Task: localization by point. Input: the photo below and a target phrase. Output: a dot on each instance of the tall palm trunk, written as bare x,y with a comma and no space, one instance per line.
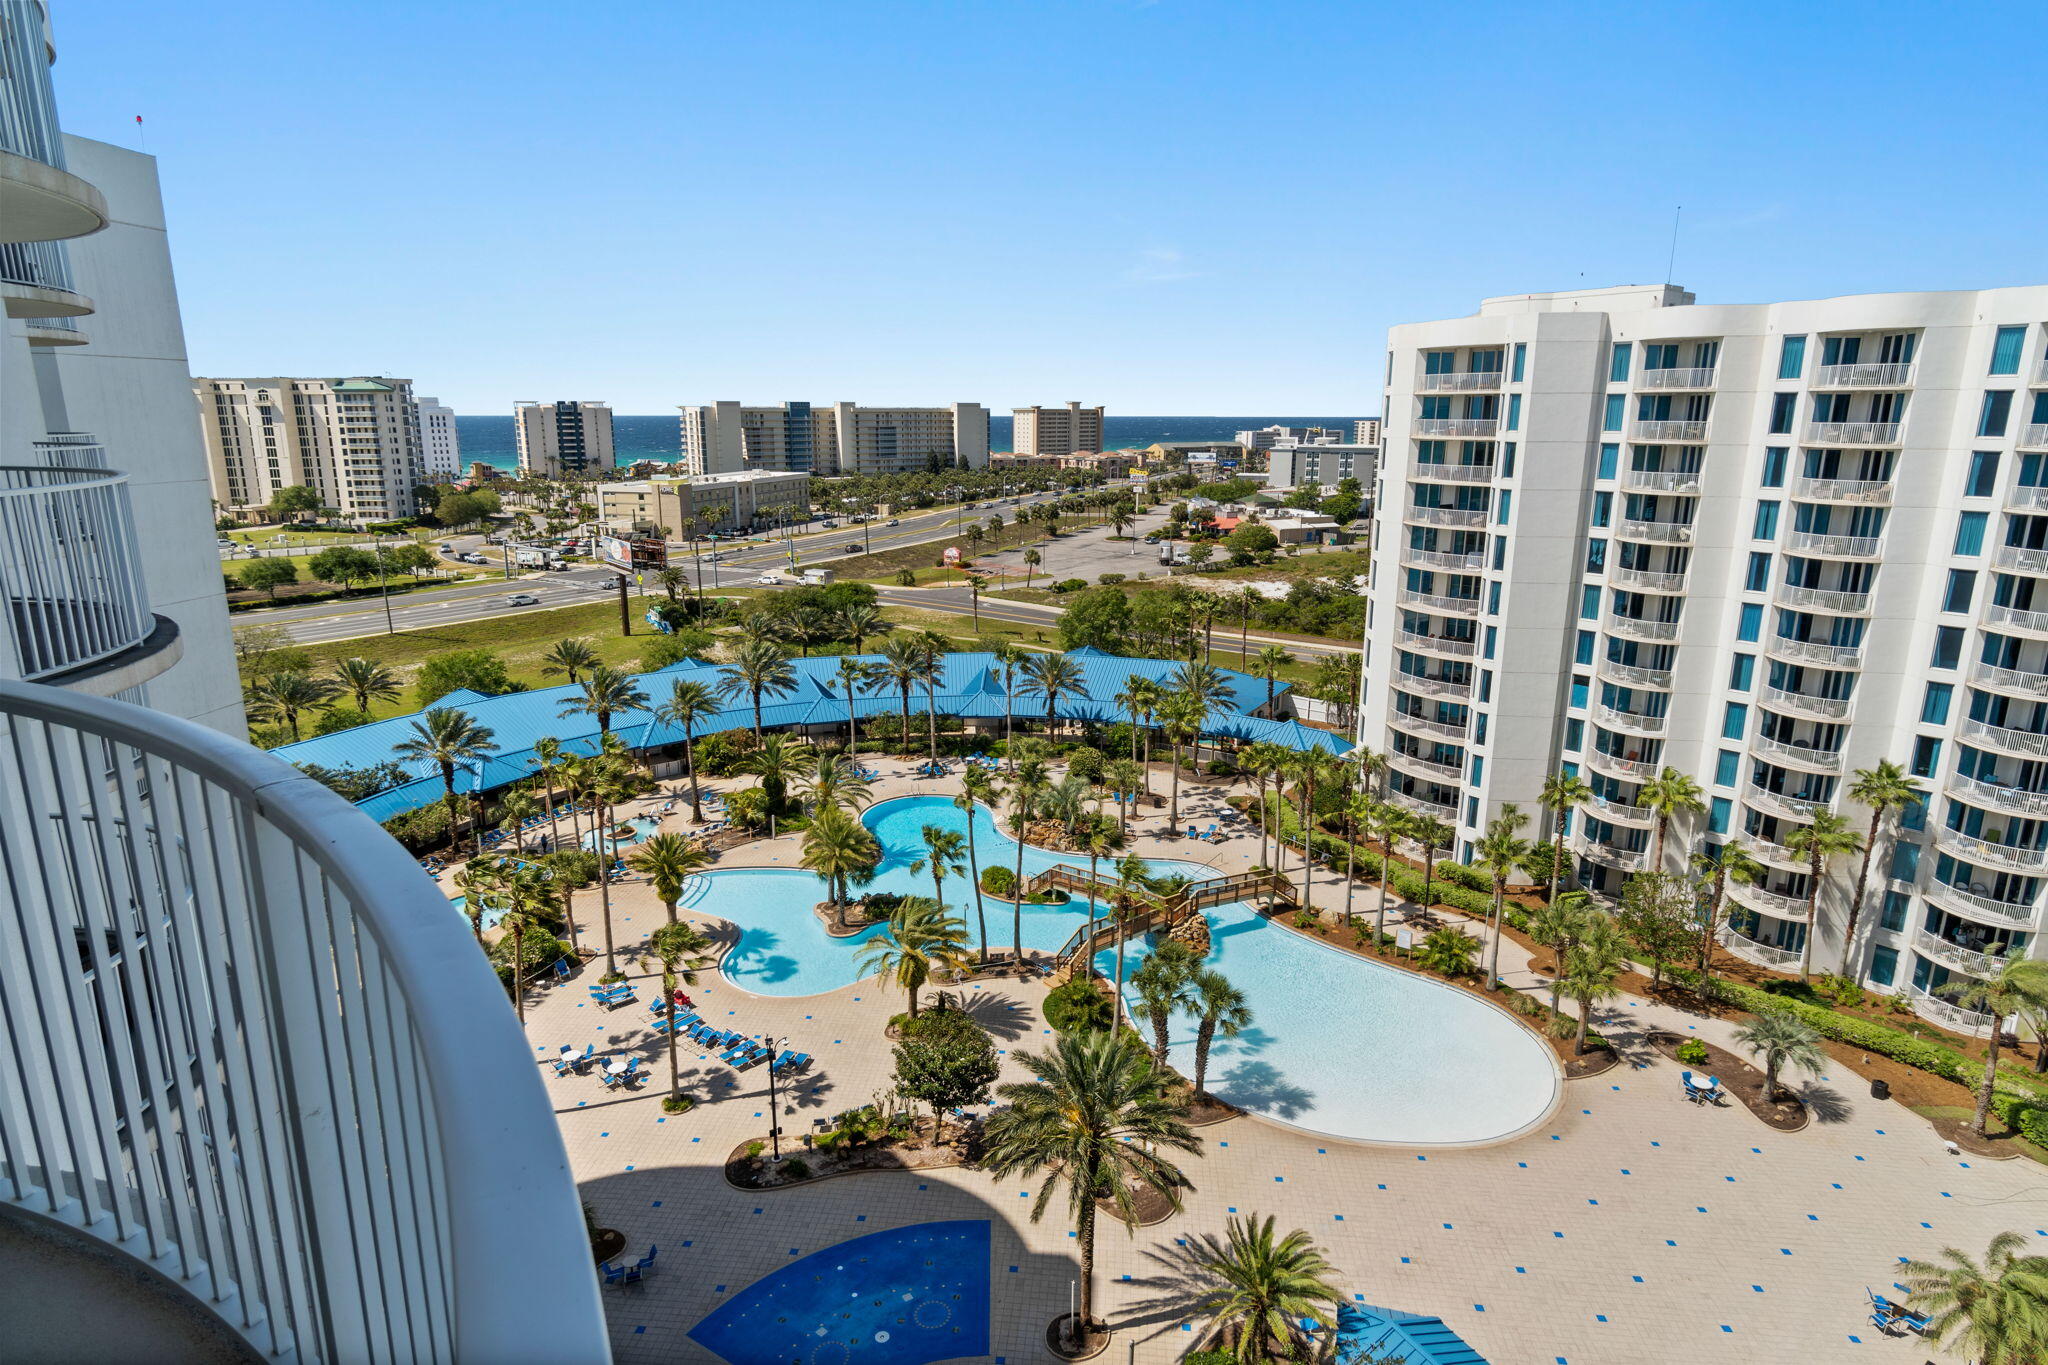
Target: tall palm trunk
1173,818
757,715
1308,862
448,796
905,736
1556,847
1386,871
1122,912
604,886
852,729
547,777
1712,918
690,763
1862,886
974,871
1812,918
1084,1228
1009,715
1350,864
1990,1081
1017,910
518,963
1500,895
931,699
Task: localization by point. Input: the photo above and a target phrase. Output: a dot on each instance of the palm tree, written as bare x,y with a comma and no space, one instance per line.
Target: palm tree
689,703
1066,802
1782,1039
1432,834
1311,766
1204,682
942,850
1391,823
1501,850
1096,1119
1028,786
365,682
1270,1297
2015,986
759,668
1562,792
1996,1313
1032,559
523,894
446,737
1125,779
1733,864
977,788
778,762
1247,600
936,647
1133,884
478,883
905,662
1218,1007
286,695
672,581
833,781
1824,838
841,850
855,676
1011,660
1356,811
1558,925
606,692
515,808
804,627
611,781
1670,793
860,623
547,761
921,937
1268,665
667,861
1599,956
1053,676
1162,986
571,657
677,944
1884,789
1257,762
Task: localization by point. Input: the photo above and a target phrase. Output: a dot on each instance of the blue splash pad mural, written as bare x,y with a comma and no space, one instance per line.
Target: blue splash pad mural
903,1297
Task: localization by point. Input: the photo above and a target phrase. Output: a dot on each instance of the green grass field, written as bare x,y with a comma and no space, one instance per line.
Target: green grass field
266,537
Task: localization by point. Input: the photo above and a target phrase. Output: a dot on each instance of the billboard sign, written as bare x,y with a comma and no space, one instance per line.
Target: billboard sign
632,553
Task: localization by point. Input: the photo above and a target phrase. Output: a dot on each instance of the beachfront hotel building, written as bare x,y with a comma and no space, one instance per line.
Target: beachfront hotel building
440,444
1765,545
1055,431
706,504
354,441
564,440
834,438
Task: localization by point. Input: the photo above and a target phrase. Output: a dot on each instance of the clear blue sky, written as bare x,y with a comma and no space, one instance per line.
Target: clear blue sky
1168,208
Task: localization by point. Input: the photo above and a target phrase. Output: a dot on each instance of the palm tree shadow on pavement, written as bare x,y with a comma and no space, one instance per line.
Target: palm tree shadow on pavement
1000,1016
1824,1103
1260,1086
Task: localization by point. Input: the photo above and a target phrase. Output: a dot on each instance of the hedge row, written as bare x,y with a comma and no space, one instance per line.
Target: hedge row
1450,886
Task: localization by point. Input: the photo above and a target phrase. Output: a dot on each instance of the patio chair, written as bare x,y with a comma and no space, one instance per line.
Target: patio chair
614,1275
1694,1091
1713,1094
560,969
1886,1315
565,1066
646,1263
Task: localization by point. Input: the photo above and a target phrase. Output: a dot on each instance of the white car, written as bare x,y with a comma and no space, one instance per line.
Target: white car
522,599
769,580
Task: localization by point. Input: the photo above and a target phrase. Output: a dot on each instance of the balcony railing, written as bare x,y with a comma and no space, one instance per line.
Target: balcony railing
1930,1006
1839,547
1790,807
1628,769
1620,812
1633,721
2034,436
1822,760
1645,580
1450,472
2010,679
249,1044
1467,517
70,573
1852,433
2011,741
1820,599
1964,901
1611,855
2009,800
1462,606
1433,687
1483,428
1955,954
1683,481
1464,381
1632,676
1873,376
1442,559
1442,772
1763,954
2035,621
1441,729
71,450
1636,628
1422,805
1774,853
2021,558
1814,652
1776,904
1805,703
1985,853
1659,532
1690,377
2027,498
1868,491
1436,644
1688,430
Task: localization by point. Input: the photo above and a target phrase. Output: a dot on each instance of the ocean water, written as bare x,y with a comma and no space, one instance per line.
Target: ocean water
490,439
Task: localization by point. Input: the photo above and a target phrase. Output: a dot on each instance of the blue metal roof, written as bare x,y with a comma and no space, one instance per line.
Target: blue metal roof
970,685
1408,1337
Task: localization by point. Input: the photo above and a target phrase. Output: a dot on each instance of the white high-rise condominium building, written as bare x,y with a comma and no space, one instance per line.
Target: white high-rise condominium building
250,1057
355,442
1366,431
440,444
564,440
1767,546
1055,431
837,438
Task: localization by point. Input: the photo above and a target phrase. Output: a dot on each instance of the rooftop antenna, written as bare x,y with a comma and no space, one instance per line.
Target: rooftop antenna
1671,261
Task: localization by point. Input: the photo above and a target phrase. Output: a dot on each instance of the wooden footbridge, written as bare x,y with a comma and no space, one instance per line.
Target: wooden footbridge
1149,910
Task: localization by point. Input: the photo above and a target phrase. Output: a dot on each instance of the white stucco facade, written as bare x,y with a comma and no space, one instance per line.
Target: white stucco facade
826,439
440,444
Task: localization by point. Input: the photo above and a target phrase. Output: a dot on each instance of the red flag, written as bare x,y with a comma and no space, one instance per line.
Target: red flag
138,118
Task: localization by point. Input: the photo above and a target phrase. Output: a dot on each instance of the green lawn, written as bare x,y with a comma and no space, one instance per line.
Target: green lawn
265,537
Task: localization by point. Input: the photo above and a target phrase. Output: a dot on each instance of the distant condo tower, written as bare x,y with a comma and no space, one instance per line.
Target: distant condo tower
565,439
1056,431
440,447
829,439
355,442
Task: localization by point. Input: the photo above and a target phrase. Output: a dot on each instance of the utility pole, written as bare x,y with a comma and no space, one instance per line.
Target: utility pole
625,613
383,582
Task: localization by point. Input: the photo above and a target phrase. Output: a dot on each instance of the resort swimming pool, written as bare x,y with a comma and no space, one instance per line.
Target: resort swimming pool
1339,1044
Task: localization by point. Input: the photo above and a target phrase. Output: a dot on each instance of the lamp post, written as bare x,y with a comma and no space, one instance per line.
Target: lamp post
774,1107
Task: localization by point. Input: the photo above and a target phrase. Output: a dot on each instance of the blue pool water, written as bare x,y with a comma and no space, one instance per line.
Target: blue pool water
903,1297
461,904
641,825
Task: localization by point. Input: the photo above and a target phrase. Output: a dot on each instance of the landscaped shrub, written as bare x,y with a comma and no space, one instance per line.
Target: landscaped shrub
1070,585
1077,1005
1472,879
998,881
1692,1052
1222,767
796,1168
1109,578
1086,764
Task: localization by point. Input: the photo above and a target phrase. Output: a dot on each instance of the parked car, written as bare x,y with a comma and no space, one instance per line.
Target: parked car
522,599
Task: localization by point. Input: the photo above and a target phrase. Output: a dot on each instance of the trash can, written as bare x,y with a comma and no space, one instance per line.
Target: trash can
1880,1089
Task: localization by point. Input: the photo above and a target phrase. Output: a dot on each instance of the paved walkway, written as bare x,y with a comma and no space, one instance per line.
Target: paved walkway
1634,1227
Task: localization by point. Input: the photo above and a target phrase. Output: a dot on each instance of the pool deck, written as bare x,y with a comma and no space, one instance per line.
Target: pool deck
1632,1227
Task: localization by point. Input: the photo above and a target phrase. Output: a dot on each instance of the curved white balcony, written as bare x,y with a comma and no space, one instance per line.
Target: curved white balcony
1423,686
1480,428
1803,704
1955,954
1946,1012
1867,492
1821,599
1437,644
1688,377
320,1117
1629,721
1813,652
1797,755
1644,580
1632,676
1776,904
2007,741
1655,532
2033,622
1445,809
1990,796
2012,680
1977,904
1762,954
1439,559
40,202
1690,431
1458,606
1682,481
1608,855
1422,767
2034,436
1852,433
72,591
1985,853
1468,518
1862,376
1635,628
2024,498
1627,769
1463,381
1450,473
1788,807
1436,729
2020,559
1621,813
1834,547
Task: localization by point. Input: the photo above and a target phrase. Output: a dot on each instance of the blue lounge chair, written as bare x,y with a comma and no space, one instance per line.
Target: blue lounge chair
792,1061
561,969
662,1025
1886,1315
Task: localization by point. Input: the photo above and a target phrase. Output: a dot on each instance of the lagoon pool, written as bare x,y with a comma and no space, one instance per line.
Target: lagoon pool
641,825
1339,1045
